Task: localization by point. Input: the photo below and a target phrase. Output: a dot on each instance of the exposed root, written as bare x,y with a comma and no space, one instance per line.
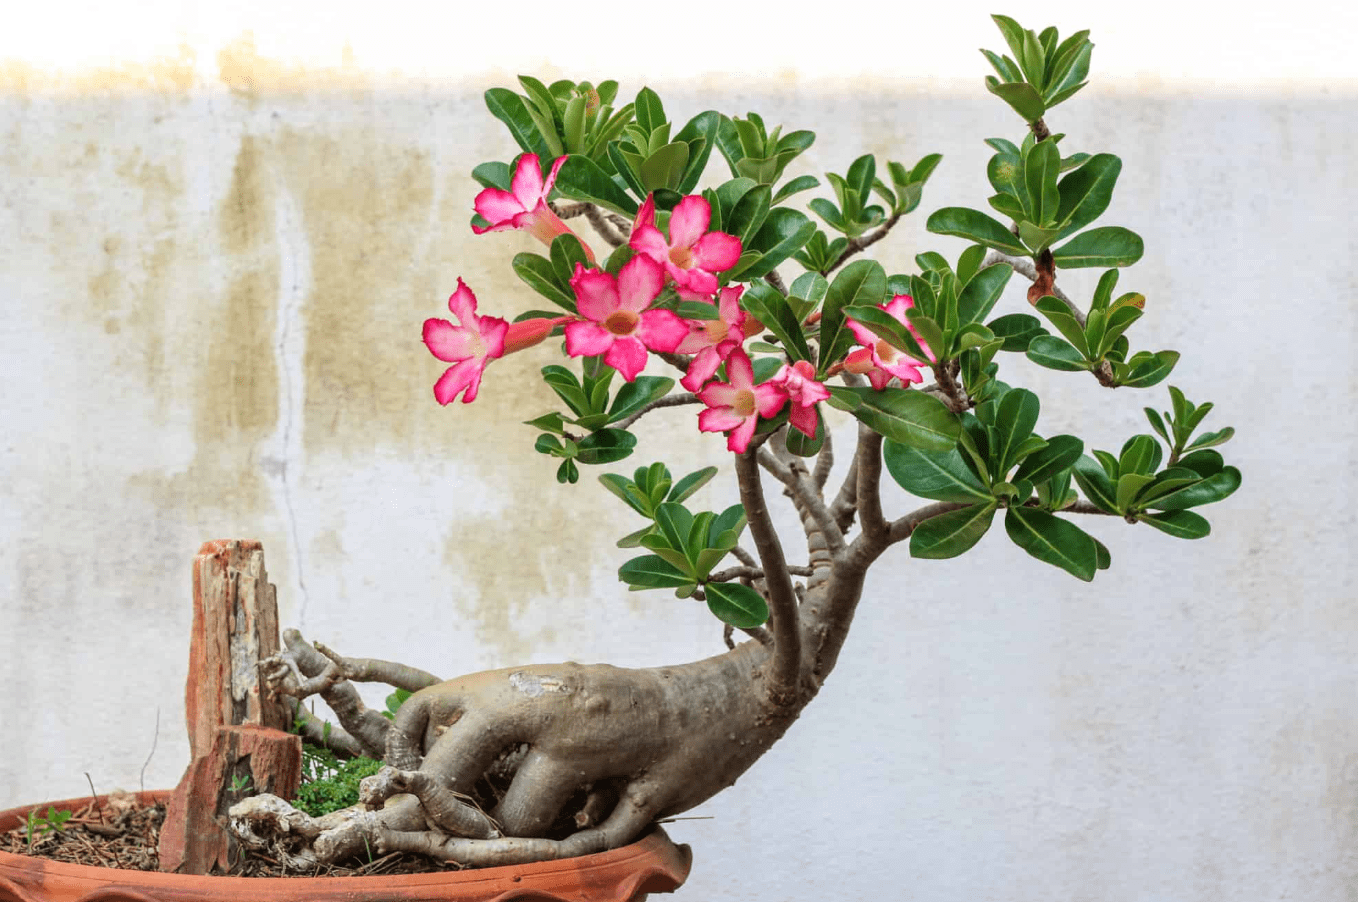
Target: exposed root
451,811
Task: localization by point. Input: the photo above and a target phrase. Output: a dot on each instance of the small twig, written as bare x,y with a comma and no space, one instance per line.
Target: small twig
570,211
1025,267
154,739
952,393
857,244
825,462
726,636
745,557
667,401
95,796
608,230
776,281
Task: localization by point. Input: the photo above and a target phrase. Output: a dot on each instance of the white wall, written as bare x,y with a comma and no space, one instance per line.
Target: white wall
213,278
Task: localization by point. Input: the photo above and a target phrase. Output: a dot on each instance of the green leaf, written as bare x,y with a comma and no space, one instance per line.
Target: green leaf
1016,330
493,175
861,283
1140,454
860,175
1153,369
675,524
800,444
567,251
567,387
1180,524
1205,463
1213,488
539,274
974,226
1014,421
1021,97
685,487
568,472
1129,486
1053,541
701,136
649,111
543,99
637,394
665,168
606,446
580,178
1060,316
650,571
1096,485
951,534
1061,452
748,215
1040,168
793,186
738,605
887,327
1209,439
1106,246
937,475
549,422
910,417
1086,193
618,484
784,232
978,297
766,304
509,108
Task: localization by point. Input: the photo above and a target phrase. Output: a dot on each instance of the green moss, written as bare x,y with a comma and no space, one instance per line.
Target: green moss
329,784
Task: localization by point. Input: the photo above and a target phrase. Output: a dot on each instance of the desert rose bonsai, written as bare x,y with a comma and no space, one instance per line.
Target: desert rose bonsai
583,758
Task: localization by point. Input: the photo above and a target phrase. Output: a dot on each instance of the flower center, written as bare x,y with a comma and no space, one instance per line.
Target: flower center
886,352
623,322
477,345
716,330
682,257
744,405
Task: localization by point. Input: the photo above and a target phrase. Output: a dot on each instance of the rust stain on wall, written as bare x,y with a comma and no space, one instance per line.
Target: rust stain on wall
164,74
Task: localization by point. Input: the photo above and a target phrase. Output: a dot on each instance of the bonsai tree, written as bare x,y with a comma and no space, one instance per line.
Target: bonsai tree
546,761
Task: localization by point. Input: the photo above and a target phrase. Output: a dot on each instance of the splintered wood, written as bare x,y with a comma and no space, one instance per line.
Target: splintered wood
237,731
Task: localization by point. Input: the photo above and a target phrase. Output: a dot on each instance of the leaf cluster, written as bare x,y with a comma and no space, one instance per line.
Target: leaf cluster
1043,71
329,784
36,825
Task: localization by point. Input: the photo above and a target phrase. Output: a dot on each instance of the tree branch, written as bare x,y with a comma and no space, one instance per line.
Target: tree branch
825,461
857,244
806,495
1025,267
605,226
867,487
901,528
787,649
667,401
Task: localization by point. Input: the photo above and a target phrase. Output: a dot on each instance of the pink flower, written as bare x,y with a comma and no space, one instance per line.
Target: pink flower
736,407
798,382
878,358
618,324
691,255
469,346
713,340
524,206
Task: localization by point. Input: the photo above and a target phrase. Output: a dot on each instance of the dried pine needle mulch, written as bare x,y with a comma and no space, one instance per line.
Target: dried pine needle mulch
127,836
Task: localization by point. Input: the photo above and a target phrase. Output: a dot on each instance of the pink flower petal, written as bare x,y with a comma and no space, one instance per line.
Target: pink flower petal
459,376
692,284
803,419
905,369
719,394
587,339
493,332
898,305
719,419
462,303
646,239
596,293
527,181
701,369
865,336
446,341
639,282
662,330
739,439
551,176
645,217
729,305
768,400
689,220
498,207
716,252
739,370
627,356
879,378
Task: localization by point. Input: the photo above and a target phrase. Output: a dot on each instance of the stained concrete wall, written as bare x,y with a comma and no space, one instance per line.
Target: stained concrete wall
212,298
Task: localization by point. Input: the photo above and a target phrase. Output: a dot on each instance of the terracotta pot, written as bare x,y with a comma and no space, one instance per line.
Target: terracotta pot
653,864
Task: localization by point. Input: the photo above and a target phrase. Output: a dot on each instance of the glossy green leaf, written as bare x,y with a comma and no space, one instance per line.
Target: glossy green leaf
538,274
784,232
580,178
1086,193
651,571
1015,418
1021,97
766,304
1128,487
951,534
685,487
566,252
510,109
981,292
1210,439
1053,540
1154,369
749,213
1106,246
1180,524
1040,169
700,133
937,475
606,446
1205,463
637,394
1060,316
1213,488
1095,484
1061,452
802,445
794,186
860,284
568,473
910,417
736,604
887,327
665,168
650,112
1016,330
494,175
974,226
